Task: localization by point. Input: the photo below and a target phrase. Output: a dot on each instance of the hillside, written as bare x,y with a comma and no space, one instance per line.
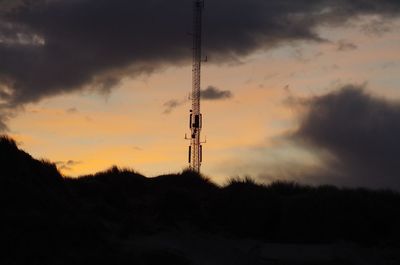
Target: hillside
121,217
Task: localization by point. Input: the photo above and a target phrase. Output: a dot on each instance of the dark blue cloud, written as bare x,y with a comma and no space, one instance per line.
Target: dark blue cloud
358,136
48,47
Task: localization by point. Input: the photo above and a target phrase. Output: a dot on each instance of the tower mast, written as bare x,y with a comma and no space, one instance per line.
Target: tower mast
195,148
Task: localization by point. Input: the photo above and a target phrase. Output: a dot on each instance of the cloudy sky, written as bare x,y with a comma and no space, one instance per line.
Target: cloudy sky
293,89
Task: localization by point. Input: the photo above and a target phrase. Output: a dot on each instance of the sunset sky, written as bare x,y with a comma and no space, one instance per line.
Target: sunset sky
298,90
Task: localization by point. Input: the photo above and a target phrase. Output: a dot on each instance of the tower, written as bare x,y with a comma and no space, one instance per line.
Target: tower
195,118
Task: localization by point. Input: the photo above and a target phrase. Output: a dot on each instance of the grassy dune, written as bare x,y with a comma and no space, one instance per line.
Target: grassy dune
121,217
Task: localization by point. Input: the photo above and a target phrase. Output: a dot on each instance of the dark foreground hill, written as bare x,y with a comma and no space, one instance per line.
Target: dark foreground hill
121,217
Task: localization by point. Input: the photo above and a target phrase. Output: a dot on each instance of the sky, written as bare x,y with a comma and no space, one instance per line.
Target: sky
304,91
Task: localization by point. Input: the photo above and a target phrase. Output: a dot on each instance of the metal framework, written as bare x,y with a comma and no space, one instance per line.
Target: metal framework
195,122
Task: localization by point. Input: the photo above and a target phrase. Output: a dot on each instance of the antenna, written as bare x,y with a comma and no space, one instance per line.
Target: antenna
195,118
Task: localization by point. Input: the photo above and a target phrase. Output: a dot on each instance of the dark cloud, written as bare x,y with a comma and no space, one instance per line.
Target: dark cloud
356,135
210,93
49,47
344,45
213,93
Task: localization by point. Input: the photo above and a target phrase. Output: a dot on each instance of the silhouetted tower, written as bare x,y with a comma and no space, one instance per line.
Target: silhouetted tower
195,122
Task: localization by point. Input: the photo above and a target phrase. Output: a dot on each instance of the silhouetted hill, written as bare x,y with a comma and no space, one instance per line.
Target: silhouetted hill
29,184
121,217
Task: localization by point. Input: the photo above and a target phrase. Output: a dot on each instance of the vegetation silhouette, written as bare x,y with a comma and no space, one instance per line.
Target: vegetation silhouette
51,219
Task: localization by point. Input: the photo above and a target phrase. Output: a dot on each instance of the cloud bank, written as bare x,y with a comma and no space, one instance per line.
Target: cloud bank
356,135
50,47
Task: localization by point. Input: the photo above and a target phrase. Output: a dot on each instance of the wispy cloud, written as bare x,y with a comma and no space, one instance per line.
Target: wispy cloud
172,104
67,165
71,110
344,45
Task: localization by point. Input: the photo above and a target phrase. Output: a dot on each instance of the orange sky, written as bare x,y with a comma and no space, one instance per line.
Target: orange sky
128,127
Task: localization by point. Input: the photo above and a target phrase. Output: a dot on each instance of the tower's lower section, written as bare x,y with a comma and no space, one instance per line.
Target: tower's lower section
195,148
